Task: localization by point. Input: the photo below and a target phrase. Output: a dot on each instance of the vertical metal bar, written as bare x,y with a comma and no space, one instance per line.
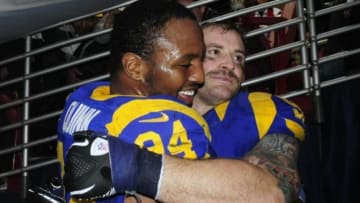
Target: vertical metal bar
304,50
315,127
315,71
314,60
26,117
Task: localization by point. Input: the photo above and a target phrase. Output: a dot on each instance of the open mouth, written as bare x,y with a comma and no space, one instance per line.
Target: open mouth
190,93
187,96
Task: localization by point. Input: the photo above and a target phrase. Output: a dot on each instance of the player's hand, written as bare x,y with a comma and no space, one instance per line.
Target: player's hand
98,166
87,167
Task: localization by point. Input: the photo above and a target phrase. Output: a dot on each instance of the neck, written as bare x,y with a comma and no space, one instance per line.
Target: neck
201,106
124,85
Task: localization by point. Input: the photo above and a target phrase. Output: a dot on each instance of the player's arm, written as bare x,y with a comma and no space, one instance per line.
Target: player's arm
278,154
217,180
277,151
214,179
122,167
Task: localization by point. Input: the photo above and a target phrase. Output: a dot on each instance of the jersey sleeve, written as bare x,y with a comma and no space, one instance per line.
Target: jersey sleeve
162,126
276,115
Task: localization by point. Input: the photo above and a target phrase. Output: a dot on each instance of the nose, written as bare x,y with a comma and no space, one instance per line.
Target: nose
227,62
196,74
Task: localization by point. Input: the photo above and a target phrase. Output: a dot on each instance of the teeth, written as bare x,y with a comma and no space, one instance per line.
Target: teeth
188,92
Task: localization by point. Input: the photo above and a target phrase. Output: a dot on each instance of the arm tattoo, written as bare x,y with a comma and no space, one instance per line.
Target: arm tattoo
278,154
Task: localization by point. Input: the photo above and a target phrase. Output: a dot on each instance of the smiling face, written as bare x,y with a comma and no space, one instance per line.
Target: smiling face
175,67
223,65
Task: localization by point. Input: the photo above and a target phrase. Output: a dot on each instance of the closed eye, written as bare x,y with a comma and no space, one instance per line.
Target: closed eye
185,65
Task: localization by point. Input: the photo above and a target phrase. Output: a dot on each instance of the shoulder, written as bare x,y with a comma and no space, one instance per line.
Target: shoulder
281,105
156,111
138,107
281,113
161,103
271,113
161,125
93,85
88,89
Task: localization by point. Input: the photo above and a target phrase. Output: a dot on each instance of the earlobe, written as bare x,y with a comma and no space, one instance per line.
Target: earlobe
133,65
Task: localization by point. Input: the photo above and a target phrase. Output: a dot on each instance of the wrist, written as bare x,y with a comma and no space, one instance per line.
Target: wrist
134,168
149,173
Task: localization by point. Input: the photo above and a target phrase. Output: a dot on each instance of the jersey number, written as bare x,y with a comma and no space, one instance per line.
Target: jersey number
179,143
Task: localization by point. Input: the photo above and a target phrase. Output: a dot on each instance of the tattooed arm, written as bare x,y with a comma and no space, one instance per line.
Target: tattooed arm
278,154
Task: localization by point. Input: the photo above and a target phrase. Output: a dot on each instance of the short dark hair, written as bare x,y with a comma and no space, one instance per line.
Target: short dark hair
137,28
227,25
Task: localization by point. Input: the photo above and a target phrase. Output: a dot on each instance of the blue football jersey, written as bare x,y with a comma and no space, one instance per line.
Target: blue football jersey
237,125
160,123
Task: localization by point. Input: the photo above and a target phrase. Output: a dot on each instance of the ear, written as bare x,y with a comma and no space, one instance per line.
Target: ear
134,66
